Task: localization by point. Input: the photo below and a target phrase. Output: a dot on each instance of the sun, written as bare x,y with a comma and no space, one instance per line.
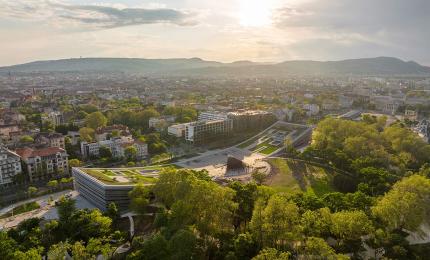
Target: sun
255,13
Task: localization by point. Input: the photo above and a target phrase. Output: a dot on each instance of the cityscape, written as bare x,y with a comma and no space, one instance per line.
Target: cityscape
228,156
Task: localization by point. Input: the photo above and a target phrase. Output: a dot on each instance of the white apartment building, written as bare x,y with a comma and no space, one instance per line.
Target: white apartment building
177,130
117,147
56,118
106,132
10,166
387,104
311,109
45,163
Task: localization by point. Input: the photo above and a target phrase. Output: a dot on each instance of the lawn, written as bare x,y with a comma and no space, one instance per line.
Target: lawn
268,147
21,209
293,176
248,143
253,140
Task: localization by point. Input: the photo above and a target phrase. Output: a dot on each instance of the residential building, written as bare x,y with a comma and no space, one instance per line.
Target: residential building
386,104
142,149
213,115
250,119
74,137
55,117
177,130
311,109
330,105
50,140
201,131
160,123
411,114
6,130
345,101
107,132
116,145
10,166
44,163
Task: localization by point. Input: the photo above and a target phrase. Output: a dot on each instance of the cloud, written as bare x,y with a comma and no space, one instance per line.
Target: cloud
359,16
94,16
338,28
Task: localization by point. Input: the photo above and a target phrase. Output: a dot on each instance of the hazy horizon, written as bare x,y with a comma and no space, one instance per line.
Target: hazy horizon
225,31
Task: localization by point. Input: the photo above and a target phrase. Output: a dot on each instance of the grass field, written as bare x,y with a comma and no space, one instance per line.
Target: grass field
292,176
21,209
269,148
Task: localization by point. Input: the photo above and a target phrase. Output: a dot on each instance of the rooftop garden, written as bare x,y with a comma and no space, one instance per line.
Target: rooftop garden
127,176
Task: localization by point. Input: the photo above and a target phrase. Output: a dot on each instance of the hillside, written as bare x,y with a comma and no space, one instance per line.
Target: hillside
199,67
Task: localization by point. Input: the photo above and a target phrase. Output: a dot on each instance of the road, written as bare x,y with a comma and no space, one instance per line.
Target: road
41,199
47,210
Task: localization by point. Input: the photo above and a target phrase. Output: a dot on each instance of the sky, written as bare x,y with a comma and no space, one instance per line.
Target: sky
221,30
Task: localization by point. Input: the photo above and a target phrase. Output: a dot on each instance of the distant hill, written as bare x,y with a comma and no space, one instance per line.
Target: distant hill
199,67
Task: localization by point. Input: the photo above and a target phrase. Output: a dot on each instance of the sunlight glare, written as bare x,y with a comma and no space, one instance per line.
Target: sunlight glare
255,13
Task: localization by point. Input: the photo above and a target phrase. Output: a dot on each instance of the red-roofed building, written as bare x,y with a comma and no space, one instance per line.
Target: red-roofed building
44,163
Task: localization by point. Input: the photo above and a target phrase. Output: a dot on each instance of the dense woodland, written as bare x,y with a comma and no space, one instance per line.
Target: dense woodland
383,195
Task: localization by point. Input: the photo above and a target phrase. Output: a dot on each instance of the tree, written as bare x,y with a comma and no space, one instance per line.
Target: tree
27,234
154,248
195,200
95,120
31,191
139,198
272,254
79,251
244,246
350,225
278,221
112,212
88,108
406,205
97,247
207,205
53,184
316,223
86,134
66,208
183,245
26,139
81,115
317,248
32,254
245,196
86,224
376,180
130,153
7,246
58,251
74,163
259,177
335,201
105,152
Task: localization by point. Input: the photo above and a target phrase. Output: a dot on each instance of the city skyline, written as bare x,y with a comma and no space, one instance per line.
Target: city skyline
264,31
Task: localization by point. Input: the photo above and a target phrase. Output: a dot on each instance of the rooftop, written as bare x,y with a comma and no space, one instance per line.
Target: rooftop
29,152
126,176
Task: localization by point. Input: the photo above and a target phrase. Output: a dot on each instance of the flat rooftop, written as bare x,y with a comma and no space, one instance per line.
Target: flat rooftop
126,176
